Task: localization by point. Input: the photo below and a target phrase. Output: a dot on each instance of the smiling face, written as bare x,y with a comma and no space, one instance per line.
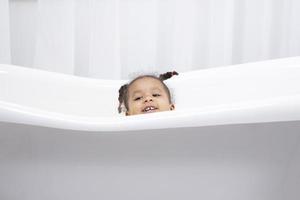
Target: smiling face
147,95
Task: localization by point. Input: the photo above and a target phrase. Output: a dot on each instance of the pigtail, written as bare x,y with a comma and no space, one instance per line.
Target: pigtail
167,75
122,93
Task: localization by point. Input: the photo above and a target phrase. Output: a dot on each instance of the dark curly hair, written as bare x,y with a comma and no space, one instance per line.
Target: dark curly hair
123,91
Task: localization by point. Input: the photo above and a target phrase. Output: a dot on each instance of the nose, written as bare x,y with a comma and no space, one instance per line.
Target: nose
148,98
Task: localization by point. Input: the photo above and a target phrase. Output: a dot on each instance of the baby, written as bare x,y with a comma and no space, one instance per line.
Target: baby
146,94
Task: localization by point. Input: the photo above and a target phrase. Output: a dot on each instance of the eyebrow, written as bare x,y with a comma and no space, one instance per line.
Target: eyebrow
155,88
137,91
140,91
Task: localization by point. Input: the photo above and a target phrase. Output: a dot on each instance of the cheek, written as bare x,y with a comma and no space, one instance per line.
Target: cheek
133,105
166,101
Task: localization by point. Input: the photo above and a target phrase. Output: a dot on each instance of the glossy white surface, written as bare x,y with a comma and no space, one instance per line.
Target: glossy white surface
234,135
255,92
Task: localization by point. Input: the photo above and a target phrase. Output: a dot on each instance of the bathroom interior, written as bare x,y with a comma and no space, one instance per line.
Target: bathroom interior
235,130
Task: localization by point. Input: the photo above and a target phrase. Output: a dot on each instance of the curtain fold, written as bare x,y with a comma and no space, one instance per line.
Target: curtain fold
114,39
4,33
54,48
105,45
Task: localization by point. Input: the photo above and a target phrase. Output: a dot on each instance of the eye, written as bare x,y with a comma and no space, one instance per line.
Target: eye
156,95
137,98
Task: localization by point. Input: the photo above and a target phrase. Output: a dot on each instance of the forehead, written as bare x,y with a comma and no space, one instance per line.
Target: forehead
146,83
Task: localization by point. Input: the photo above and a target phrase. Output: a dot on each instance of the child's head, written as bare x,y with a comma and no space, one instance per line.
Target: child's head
146,94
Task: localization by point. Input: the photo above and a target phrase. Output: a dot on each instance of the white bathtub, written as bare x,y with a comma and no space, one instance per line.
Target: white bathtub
235,135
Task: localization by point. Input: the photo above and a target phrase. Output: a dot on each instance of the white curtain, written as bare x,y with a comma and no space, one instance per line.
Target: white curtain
113,39
4,33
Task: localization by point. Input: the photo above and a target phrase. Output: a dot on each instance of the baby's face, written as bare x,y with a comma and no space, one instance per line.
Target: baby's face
147,95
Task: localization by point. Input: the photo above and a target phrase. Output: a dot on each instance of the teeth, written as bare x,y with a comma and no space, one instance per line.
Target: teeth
149,108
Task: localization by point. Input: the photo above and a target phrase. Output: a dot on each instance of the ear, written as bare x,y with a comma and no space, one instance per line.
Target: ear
172,107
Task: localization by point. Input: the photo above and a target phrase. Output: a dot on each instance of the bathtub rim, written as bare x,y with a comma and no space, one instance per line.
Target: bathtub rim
266,110
285,108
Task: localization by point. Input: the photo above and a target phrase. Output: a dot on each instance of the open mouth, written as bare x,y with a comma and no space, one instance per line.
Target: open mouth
149,109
